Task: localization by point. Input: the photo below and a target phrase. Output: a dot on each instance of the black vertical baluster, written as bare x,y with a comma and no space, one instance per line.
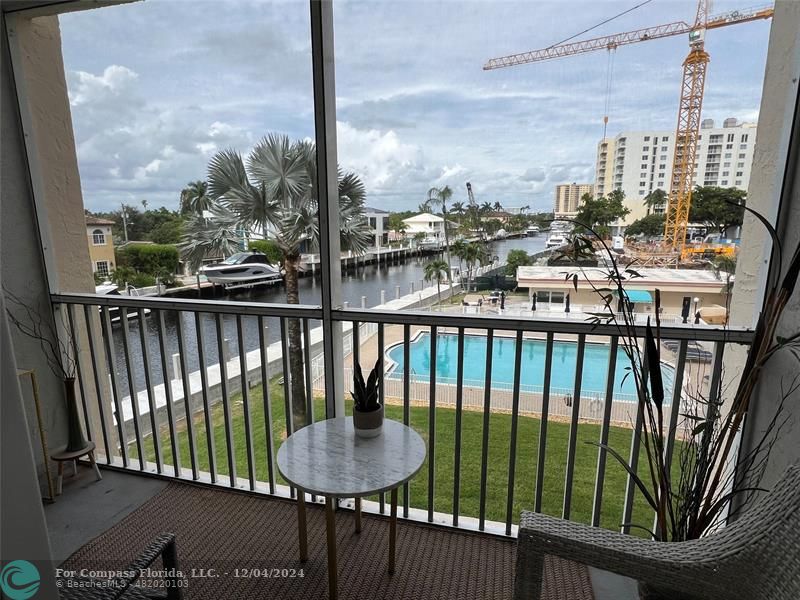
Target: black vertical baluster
173,437
487,400
406,401
134,396
148,381
187,393
573,430
226,402
459,410
207,414
382,396
287,388
265,391
308,374
432,427
677,386
248,428
633,458
89,314
604,429
548,370
112,368
512,452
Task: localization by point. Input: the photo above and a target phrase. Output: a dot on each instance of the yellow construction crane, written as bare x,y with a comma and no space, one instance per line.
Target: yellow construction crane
691,102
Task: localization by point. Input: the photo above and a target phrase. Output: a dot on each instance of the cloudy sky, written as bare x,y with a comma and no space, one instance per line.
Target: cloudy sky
157,87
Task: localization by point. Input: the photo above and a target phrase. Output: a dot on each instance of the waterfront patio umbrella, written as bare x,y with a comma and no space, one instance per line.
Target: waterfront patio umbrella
533,303
566,308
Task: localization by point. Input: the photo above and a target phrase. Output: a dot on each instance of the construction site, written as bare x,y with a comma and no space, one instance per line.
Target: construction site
678,247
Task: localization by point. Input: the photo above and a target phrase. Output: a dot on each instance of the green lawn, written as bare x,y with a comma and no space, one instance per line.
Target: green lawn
472,426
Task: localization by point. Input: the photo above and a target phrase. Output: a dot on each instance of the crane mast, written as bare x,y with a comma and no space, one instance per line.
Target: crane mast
470,194
687,132
687,135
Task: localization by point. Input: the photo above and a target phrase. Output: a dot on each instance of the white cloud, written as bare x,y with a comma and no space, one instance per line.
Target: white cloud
87,88
415,107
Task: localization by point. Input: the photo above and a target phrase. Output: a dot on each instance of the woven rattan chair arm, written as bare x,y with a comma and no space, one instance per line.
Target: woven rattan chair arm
601,548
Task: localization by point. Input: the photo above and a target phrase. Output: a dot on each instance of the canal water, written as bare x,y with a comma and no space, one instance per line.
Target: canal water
365,281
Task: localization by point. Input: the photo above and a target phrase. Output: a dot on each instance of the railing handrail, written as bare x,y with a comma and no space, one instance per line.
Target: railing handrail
690,331
701,333
264,309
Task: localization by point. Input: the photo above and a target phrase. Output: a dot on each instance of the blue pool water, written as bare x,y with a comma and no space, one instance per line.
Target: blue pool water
595,365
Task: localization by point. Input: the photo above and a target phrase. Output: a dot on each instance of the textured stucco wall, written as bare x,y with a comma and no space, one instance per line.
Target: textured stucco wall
775,192
43,226
42,67
22,267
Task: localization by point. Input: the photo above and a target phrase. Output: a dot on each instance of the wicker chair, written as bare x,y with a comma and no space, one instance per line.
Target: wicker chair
755,558
122,588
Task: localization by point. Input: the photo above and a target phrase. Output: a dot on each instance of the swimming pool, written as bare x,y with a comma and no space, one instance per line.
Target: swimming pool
595,365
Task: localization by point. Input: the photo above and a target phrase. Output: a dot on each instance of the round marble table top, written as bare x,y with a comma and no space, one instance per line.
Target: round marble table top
327,458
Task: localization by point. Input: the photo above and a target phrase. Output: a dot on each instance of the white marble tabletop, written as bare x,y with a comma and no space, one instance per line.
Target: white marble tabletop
327,458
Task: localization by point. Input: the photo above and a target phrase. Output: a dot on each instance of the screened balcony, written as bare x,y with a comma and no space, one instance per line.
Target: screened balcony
189,401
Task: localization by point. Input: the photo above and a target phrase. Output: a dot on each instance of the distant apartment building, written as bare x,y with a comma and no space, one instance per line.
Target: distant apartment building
568,198
101,245
640,162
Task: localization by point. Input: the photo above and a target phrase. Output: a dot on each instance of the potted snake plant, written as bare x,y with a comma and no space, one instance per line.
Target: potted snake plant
367,407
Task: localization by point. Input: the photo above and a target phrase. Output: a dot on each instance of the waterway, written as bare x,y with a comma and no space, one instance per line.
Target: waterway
367,281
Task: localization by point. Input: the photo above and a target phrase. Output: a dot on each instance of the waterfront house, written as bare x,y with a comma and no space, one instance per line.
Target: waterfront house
430,225
379,226
101,245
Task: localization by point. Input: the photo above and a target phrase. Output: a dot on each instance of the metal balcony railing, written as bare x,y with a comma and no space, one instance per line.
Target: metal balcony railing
166,360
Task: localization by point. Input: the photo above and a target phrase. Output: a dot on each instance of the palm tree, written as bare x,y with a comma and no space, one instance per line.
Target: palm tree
144,205
459,247
486,208
216,236
655,199
425,207
498,207
436,270
440,196
275,190
458,209
194,198
474,253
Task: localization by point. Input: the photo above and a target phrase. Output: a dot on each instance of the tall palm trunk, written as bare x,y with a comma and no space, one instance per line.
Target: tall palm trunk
447,247
291,263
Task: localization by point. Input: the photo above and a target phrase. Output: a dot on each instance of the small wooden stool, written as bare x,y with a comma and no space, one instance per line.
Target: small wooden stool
62,457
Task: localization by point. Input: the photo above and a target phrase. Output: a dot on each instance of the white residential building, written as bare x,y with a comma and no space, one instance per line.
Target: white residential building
639,162
568,198
431,225
378,225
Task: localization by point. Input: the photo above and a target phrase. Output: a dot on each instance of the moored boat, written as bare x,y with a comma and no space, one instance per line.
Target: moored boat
242,268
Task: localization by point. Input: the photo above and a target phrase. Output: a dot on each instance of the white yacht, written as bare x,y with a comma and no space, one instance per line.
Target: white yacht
556,239
242,268
532,231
